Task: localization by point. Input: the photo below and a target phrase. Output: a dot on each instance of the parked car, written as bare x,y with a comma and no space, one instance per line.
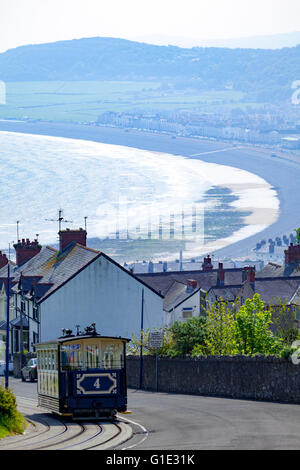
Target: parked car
3,367
29,371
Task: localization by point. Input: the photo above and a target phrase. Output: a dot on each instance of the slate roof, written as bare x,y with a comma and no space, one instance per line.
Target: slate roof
50,269
161,282
295,300
275,270
176,294
271,290
227,293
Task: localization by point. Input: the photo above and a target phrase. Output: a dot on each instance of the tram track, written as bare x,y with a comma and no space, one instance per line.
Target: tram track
51,432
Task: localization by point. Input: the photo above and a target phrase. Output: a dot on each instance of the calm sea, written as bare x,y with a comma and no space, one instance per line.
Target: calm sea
125,193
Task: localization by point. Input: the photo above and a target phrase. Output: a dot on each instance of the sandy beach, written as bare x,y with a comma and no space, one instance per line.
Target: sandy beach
281,173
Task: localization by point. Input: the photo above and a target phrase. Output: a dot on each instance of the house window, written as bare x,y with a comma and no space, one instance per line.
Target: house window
35,338
187,312
35,313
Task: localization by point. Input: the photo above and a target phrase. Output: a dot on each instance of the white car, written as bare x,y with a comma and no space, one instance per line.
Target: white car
2,367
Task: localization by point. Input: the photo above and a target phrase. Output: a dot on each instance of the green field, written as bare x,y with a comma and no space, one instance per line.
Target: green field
84,101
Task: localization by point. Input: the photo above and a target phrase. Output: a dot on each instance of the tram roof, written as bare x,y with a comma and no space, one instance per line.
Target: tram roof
64,339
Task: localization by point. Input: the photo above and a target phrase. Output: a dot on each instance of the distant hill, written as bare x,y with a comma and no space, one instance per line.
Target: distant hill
261,72
274,41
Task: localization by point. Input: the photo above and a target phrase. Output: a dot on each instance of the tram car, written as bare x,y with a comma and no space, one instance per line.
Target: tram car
83,375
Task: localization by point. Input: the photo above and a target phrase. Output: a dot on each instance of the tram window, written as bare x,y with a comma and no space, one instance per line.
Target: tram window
71,356
113,356
92,356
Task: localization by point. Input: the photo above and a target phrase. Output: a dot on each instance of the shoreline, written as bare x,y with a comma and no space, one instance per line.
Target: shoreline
280,172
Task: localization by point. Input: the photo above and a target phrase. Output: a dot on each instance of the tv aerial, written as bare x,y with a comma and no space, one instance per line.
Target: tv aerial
60,219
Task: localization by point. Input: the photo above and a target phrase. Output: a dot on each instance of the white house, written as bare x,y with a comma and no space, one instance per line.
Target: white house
78,286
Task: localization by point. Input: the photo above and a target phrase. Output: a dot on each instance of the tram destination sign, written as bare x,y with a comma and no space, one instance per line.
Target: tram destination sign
156,339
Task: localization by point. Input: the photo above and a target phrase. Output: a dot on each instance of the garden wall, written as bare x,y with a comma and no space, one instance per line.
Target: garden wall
253,378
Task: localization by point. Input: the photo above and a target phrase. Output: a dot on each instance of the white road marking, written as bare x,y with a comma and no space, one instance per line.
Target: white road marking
215,151
140,426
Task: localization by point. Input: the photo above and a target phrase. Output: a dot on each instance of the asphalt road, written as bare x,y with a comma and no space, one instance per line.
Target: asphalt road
184,422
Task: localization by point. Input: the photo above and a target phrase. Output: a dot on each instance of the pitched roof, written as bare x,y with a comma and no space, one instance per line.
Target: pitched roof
227,293
271,290
50,269
176,295
161,282
295,300
275,270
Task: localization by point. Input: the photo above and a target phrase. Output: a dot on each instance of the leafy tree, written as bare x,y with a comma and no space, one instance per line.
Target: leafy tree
185,336
220,331
252,329
283,322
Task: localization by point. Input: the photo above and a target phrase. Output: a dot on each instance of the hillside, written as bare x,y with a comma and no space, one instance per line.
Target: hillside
269,73
274,41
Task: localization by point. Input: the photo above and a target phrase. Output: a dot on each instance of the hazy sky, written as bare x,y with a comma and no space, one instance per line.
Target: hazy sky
37,21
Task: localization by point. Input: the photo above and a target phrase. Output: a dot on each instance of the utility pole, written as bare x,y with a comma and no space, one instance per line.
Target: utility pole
142,339
21,325
7,322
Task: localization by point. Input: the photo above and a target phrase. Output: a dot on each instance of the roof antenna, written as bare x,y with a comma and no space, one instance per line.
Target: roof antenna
60,219
85,223
18,236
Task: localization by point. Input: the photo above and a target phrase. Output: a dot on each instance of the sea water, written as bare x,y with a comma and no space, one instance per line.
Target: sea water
125,193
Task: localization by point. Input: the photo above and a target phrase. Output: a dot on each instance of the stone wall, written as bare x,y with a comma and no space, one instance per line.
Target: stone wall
253,378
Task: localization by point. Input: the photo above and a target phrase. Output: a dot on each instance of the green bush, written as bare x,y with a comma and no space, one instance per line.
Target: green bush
185,336
7,402
11,421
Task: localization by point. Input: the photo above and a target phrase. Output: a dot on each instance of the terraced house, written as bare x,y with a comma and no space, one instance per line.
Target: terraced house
75,285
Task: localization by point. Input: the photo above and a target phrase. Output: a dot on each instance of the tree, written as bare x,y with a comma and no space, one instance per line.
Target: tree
220,331
185,336
252,329
284,321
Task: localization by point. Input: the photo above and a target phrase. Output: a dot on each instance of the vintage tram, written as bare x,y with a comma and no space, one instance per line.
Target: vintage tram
83,375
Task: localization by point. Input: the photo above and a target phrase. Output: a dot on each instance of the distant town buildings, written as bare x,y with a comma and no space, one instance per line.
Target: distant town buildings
265,125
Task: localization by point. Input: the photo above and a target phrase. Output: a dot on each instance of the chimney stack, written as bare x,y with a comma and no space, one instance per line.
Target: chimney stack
207,264
221,275
25,250
68,236
191,285
292,254
3,260
249,274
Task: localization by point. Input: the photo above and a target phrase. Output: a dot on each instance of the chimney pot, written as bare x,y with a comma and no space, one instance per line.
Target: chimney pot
3,260
68,236
207,264
221,275
292,254
26,251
